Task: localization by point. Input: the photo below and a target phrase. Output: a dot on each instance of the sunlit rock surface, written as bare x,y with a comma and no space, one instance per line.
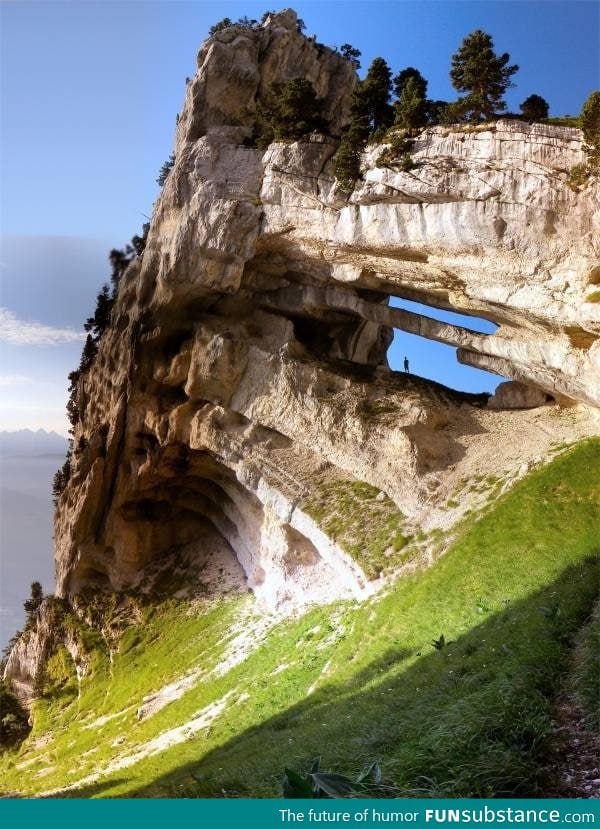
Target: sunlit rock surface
245,374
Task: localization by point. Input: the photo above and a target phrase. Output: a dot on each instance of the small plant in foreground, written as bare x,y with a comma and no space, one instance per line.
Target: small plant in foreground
319,784
440,644
552,612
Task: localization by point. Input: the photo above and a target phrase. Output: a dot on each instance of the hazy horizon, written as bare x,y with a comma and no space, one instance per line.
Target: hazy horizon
28,461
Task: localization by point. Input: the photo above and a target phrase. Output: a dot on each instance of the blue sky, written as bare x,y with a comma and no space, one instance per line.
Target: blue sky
90,91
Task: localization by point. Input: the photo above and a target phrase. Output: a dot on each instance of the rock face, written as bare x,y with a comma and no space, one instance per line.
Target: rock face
515,395
246,359
33,647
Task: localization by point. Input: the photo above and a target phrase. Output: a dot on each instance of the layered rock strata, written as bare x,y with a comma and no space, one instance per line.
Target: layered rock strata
247,353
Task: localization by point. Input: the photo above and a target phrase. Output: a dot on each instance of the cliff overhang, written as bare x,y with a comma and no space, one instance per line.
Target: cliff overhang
245,366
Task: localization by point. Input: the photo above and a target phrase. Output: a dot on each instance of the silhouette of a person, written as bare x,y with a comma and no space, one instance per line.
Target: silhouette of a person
406,364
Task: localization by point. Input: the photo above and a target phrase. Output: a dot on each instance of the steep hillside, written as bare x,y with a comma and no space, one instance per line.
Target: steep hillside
211,687
268,544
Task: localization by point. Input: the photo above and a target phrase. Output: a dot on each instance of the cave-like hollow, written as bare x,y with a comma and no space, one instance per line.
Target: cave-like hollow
187,498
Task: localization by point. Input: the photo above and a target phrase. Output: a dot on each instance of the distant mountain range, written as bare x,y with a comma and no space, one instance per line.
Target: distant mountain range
27,443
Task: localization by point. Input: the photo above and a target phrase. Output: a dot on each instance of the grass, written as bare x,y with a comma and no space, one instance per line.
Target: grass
593,297
355,682
364,521
563,121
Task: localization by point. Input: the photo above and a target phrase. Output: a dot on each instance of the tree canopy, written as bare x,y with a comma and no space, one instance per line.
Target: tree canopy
371,100
289,111
35,598
165,170
590,126
350,53
482,74
14,725
411,108
406,74
534,108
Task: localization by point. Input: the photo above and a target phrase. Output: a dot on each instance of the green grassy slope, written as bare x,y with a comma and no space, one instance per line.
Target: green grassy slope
350,682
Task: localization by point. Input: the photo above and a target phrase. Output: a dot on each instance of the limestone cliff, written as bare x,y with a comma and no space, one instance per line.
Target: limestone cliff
243,384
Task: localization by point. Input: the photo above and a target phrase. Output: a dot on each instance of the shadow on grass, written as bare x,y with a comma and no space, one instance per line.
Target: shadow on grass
84,792
471,719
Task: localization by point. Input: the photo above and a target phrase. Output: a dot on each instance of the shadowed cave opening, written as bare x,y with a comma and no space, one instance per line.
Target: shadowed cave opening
437,361
190,503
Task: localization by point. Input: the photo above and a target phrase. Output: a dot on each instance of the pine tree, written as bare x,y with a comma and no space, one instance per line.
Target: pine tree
139,242
62,475
370,111
73,412
346,161
435,111
39,680
88,355
411,108
371,99
225,23
119,259
534,108
35,599
246,22
590,126
351,54
101,319
169,164
289,111
483,75
406,74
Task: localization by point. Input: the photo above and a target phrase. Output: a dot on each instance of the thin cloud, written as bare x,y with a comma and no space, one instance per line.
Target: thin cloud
13,380
15,331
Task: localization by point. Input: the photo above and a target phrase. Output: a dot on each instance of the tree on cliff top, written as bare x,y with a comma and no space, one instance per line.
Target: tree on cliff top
371,99
482,74
351,54
289,111
404,76
590,126
411,107
534,108
225,23
35,598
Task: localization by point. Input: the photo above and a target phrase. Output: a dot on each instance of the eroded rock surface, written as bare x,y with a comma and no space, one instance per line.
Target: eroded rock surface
247,353
248,345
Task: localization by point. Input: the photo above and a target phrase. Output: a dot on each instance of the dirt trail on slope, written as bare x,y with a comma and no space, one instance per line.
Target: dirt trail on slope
574,759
